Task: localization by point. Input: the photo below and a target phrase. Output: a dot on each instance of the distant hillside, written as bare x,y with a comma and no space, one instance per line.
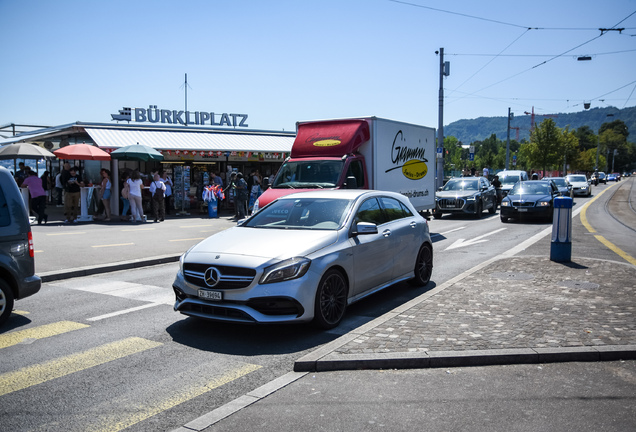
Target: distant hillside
468,131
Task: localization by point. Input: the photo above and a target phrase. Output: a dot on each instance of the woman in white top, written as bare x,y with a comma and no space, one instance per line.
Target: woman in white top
105,191
136,208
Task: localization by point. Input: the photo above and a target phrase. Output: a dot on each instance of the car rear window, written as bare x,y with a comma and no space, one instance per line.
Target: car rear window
5,217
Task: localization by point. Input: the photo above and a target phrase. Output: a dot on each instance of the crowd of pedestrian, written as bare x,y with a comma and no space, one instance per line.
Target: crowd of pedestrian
64,190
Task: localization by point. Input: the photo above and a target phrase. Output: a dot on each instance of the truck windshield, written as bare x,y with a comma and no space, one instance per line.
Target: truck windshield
317,174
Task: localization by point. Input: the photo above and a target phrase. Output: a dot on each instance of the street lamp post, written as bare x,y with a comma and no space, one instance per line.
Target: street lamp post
444,70
508,142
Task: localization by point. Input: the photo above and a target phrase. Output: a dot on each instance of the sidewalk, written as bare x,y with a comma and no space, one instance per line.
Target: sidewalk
514,310
84,248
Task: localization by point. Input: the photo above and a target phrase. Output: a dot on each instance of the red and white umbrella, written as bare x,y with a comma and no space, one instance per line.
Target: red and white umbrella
82,152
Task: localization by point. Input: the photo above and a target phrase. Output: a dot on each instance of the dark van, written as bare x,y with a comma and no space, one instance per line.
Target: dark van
17,263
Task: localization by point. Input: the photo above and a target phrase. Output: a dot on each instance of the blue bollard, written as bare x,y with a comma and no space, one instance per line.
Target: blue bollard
561,247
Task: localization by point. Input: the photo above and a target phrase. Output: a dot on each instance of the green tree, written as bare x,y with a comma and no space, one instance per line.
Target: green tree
543,149
587,161
587,138
612,140
569,148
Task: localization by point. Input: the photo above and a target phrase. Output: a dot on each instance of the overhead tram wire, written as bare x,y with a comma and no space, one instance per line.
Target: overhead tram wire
461,14
553,58
603,32
529,55
491,60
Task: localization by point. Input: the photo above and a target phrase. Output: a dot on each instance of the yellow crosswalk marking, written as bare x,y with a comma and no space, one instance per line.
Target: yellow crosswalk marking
40,373
40,332
114,423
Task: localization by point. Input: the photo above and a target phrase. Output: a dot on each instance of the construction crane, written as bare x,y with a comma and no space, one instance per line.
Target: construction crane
532,117
517,133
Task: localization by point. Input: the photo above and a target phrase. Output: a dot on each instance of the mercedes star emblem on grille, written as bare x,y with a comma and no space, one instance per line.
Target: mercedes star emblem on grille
212,276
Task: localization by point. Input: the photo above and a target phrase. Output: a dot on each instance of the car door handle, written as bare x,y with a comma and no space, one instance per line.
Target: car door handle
413,224
386,233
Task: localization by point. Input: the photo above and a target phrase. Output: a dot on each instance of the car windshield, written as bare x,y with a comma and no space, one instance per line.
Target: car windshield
301,213
560,181
577,178
530,188
309,174
509,179
461,185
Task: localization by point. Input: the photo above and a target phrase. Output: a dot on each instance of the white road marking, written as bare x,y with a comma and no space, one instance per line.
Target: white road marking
123,311
463,242
448,232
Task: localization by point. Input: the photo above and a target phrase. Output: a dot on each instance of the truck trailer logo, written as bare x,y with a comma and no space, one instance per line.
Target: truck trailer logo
327,143
411,160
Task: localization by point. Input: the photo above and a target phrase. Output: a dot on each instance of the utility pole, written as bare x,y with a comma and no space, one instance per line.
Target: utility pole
444,70
508,141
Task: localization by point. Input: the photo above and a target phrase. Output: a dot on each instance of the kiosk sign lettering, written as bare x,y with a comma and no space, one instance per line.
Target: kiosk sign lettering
152,114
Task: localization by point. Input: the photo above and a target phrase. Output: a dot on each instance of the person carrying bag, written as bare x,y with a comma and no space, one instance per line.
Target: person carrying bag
158,190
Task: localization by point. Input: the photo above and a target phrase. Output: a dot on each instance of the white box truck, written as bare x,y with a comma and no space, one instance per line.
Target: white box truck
359,153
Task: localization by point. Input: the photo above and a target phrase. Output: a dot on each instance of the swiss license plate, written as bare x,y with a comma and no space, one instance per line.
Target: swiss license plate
523,209
210,295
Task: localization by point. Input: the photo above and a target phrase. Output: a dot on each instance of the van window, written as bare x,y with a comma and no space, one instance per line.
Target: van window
5,217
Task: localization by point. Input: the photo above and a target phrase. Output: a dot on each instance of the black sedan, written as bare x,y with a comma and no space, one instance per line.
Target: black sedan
471,195
529,199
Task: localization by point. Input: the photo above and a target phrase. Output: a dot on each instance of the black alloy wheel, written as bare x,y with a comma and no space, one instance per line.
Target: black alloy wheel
479,210
331,300
6,301
423,266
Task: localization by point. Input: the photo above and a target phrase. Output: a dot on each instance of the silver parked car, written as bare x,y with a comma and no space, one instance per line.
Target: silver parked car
305,257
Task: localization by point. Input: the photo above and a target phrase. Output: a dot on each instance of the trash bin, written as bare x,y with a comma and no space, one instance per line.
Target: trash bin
213,209
561,247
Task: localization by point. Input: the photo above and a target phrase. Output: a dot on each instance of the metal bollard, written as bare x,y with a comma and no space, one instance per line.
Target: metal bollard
561,247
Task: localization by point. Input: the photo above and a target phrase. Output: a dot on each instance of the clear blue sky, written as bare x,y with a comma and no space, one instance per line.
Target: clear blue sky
281,61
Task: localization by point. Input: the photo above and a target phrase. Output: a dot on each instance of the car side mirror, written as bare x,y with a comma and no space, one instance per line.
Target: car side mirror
439,189
365,228
351,183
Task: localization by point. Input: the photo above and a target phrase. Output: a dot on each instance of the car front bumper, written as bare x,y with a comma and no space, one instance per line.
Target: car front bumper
581,191
526,211
281,302
455,205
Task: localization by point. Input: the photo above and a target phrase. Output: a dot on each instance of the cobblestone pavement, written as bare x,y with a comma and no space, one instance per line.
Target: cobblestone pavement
518,302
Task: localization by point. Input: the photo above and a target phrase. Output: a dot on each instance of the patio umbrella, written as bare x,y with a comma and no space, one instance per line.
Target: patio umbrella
137,152
24,151
82,152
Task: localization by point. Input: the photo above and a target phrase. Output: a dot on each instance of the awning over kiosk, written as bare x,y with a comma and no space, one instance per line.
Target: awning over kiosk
333,138
184,140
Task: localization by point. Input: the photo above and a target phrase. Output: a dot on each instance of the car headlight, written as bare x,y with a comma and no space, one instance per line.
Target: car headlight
544,203
285,270
505,203
470,198
181,258
584,187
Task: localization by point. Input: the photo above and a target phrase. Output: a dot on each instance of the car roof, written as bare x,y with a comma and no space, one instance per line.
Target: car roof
341,194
